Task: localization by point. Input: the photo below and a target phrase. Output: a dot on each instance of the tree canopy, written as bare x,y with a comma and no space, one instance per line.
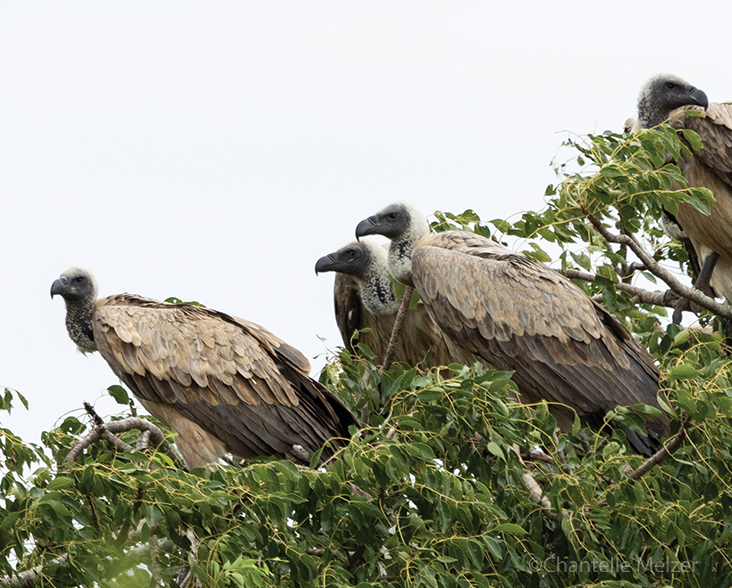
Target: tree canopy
444,486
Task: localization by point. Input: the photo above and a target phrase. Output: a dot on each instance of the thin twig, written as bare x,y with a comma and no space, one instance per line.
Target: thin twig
396,332
696,296
657,457
186,575
667,298
662,453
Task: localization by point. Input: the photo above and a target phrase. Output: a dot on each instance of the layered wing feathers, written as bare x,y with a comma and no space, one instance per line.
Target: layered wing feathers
522,316
231,377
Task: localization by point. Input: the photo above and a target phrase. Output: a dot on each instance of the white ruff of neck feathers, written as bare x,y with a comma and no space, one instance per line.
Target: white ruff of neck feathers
400,251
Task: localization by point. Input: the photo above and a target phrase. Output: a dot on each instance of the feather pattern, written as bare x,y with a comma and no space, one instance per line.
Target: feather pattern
519,315
710,167
206,373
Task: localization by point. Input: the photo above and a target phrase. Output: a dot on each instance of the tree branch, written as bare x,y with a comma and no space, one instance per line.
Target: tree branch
396,332
536,494
696,296
106,431
29,578
662,453
667,298
657,457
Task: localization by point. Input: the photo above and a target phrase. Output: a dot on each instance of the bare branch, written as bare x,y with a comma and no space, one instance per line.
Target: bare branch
106,431
116,442
143,441
87,441
536,494
396,332
667,298
662,453
657,457
696,296
186,575
157,437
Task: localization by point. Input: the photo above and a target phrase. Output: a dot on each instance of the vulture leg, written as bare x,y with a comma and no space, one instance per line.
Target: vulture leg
681,305
705,274
703,277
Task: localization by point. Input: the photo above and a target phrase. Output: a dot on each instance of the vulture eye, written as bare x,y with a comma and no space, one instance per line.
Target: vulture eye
392,215
670,85
79,279
352,253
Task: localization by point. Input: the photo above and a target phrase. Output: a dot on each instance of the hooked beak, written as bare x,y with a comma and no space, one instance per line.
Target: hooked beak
696,96
59,286
325,263
368,226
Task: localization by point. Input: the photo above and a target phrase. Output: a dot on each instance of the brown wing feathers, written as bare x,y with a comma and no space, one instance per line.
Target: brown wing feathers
519,315
239,383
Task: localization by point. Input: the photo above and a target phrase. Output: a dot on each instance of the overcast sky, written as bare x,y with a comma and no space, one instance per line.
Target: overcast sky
214,151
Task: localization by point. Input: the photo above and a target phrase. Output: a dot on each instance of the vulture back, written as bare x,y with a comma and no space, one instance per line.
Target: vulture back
218,378
519,315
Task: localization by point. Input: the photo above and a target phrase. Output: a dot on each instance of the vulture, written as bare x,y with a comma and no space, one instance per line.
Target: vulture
364,298
223,384
667,98
516,314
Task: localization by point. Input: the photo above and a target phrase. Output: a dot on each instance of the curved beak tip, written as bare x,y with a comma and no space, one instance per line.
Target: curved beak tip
324,264
365,227
57,287
698,96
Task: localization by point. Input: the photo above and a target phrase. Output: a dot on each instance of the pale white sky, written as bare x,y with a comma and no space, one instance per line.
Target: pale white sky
214,151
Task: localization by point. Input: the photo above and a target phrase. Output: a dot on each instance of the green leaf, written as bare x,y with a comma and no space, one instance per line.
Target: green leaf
119,394
509,528
495,450
683,372
693,139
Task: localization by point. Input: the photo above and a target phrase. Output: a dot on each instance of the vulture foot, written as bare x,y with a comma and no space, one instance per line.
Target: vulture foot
681,305
705,275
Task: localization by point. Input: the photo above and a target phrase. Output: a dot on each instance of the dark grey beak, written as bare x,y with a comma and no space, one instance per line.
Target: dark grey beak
59,286
367,226
325,263
696,96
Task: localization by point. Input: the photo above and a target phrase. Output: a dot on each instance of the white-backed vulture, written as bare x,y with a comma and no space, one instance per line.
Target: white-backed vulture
364,298
519,315
221,383
667,98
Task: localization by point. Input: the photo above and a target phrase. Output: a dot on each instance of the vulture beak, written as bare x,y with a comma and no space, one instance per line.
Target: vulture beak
696,96
59,286
325,263
369,226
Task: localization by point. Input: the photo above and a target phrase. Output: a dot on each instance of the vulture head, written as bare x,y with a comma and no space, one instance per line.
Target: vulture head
664,93
355,259
368,263
78,288
404,225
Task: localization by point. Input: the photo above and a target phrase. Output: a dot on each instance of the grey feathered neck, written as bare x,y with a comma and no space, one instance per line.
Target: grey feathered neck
79,324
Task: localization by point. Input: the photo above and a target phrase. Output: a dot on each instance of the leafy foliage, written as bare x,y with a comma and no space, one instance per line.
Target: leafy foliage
439,489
